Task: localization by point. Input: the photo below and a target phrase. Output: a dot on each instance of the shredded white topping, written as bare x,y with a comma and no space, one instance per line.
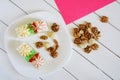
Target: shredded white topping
22,31
24,49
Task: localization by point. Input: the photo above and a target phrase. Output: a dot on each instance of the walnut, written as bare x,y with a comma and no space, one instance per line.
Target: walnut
95,31
39,44
83,38
88,49
96,37
82,27
76,30
104,19
55,41
56,47
44,37
54,54
88,35
88,24
56,44
94,46
77,41
77,34
50,49
55,27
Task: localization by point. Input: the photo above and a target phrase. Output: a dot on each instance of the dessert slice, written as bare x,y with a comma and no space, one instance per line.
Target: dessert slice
31,28
30,55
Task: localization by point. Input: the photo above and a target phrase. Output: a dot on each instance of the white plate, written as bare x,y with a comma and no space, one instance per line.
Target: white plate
19,62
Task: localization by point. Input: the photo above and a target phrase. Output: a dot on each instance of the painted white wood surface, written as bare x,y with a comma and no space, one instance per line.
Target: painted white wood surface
99,65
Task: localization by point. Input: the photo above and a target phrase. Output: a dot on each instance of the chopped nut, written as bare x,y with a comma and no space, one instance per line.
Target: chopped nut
56,47
94,46
55,27
50,49
44,37
54,54
95,32
88,35
56,44
88,24
76,30
77,41
82,27
104,19
83,38
96,37
77,35
39,44
55,41
87,49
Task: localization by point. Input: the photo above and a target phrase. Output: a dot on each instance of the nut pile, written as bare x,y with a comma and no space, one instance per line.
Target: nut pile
85,36
50,34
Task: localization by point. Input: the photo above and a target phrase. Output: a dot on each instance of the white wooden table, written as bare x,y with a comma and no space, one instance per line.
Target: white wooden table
103,64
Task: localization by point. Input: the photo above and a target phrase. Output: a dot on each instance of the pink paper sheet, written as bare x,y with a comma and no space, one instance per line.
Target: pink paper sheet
72,10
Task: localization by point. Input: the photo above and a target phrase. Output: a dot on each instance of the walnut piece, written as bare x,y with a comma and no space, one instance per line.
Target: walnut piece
43,37
55,27
54,54
94,46
39,44
88,49
50,49
77,41
104,19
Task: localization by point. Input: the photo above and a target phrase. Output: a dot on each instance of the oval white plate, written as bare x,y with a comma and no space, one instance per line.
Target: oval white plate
19,63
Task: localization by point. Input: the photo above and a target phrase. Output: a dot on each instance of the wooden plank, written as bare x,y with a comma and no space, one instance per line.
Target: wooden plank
109,35
83,70
2,29
103,59
9,11
52,3
33,6
60,75
112,11
118,1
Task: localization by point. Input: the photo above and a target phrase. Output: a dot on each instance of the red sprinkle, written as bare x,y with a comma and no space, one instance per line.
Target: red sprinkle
36,56
36,31
34,24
